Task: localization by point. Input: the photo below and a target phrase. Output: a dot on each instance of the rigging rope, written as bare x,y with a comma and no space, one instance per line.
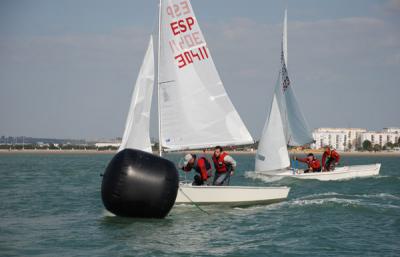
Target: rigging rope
198,207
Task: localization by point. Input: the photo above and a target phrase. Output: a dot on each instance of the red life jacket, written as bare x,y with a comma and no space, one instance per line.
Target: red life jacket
207,167
219,163
332,154
335,155
315,164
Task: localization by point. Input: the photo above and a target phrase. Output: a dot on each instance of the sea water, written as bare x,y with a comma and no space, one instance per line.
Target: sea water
50,205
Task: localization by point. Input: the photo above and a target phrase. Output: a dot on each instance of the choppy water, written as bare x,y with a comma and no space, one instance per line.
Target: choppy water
50,205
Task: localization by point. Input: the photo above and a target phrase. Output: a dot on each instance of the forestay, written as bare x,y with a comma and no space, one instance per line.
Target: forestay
136,134
195,110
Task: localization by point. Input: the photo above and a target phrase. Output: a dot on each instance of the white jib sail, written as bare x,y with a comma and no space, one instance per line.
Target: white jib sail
137,133
195,110
295,125
272,153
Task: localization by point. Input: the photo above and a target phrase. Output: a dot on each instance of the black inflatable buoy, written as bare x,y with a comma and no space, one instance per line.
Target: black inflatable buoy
139,184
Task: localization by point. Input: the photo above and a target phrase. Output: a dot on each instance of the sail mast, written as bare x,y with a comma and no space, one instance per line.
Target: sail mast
158,80
284,39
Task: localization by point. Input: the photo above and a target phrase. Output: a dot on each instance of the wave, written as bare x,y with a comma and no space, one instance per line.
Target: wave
379,196
295,203
184,205
383,196
320,195
318,201
261,207
329,198
361,202
108,214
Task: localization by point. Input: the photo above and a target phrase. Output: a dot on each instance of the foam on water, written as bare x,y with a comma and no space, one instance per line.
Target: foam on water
322,201
380,196
320,195
108,214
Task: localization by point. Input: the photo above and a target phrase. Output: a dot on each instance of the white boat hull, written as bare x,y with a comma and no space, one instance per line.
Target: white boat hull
340,173
230,195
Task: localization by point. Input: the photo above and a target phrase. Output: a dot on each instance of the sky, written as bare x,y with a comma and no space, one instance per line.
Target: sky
68,67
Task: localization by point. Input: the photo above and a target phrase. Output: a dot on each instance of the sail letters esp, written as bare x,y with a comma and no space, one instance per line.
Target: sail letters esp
187,43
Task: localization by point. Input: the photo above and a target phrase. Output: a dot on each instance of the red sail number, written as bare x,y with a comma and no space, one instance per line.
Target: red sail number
190,56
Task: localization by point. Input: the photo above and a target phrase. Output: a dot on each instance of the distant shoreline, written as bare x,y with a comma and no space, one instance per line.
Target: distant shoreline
83,152
382,153
44,151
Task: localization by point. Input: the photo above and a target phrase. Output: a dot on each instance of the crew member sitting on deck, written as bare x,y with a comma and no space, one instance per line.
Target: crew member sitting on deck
313,163
201,165
330,159
224,166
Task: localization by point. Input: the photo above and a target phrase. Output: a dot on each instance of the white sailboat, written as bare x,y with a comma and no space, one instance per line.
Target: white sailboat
340,173
286,125
194,109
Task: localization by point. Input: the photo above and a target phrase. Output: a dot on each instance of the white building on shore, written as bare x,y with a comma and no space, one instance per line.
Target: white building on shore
107,144
381,138
392,130
344,139
339,138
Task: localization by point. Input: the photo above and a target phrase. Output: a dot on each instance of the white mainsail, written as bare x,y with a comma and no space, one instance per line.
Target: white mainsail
296,128
195,110
272,153
136,134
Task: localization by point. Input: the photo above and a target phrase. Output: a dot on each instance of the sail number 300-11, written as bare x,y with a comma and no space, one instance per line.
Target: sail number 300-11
189,37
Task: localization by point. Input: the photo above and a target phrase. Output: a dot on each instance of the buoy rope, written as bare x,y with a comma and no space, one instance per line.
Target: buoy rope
198,207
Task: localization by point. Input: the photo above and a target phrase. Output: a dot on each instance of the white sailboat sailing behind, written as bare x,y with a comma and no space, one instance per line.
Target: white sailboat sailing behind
285,126
195,111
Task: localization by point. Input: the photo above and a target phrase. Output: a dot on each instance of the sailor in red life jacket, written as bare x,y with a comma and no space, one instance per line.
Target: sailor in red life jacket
330,159
313,163
201,165
224,166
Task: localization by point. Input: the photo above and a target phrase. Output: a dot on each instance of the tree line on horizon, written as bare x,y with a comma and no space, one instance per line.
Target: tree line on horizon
365,146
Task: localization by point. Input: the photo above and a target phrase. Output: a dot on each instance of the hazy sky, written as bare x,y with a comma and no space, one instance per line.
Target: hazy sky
67,68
